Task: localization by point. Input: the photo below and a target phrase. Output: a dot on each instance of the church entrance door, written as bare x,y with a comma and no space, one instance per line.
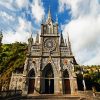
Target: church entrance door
31,76
48,79
66,82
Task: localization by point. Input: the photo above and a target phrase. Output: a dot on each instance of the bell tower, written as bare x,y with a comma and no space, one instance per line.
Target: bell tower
49,36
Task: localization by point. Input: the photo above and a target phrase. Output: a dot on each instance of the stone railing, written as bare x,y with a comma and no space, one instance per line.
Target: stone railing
10,93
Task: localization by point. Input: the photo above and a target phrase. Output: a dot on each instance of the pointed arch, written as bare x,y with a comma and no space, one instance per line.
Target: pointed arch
66,82
47,79
48,71
31,81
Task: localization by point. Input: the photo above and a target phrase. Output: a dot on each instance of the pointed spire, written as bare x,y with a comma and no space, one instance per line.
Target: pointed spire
37,39
61,39
30,40
42,19
49,13
49,19
69,44
65,43
68,38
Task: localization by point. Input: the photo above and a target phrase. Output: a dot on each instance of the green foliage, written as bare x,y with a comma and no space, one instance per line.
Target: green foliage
12,56
92,72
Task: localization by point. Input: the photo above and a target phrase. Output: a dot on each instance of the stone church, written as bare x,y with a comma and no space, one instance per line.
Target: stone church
49,66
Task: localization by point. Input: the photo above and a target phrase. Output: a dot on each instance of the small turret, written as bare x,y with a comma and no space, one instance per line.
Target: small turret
30,42
37,39
62,40
69,45
65,43
1,36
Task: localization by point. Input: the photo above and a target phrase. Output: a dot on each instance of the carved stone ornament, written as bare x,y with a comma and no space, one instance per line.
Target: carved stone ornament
50,44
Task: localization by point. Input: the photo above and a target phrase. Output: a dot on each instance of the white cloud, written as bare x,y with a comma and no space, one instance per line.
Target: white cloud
95,60
9,4
14,4
6,16
22,33
83,29
22,3
37,10
11,15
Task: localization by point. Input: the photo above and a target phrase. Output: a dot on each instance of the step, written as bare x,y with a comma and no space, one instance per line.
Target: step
53,97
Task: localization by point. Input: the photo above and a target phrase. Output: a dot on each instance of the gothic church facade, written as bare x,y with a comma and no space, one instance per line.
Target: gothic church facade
49,66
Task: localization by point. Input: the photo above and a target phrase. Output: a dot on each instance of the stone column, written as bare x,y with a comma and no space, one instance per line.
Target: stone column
37,85
73,86
25,86
56,85
60,86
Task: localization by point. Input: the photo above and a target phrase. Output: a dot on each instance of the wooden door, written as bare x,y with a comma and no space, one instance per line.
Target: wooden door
67,86
31,86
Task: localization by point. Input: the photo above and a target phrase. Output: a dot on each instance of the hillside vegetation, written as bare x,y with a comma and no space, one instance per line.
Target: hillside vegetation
12,56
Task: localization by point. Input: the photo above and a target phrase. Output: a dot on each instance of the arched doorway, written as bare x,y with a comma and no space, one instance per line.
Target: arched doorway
31,84
66,82
48,79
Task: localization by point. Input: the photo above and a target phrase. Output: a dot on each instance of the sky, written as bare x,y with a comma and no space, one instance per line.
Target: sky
80,18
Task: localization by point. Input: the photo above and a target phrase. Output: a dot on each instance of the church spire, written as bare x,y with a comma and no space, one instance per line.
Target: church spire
61,40
49,13
69,45
49,19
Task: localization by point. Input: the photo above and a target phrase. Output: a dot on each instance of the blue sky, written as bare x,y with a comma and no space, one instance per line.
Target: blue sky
80,18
